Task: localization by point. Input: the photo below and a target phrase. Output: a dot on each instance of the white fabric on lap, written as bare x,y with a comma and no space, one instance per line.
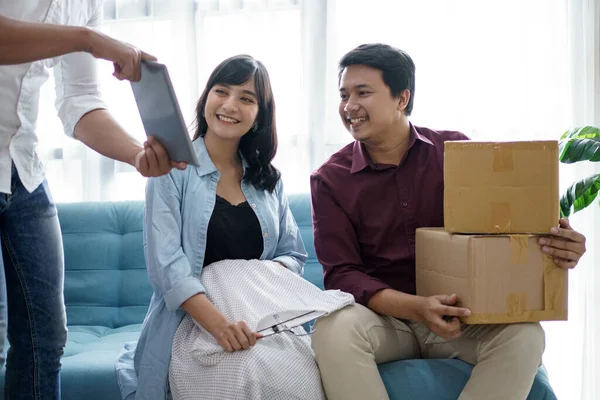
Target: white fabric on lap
279,366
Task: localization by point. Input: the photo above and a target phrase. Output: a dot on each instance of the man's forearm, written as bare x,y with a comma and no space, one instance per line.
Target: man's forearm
101,132
22,42
396,304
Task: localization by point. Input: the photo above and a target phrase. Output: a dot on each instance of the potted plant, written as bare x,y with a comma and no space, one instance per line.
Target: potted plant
575,145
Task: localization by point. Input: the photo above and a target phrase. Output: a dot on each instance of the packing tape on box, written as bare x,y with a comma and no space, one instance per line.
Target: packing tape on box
555,286
503,159
516,303
499,217
519,249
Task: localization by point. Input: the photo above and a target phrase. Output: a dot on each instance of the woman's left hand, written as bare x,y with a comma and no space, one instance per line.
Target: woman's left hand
566,245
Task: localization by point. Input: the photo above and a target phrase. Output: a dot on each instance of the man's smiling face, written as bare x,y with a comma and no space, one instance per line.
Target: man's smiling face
367,107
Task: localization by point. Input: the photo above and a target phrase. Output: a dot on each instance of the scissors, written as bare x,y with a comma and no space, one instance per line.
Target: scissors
286,320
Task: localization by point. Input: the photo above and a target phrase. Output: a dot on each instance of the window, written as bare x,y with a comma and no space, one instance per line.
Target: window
494,70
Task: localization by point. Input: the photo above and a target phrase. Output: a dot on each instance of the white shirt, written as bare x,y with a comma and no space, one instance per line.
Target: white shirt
76,87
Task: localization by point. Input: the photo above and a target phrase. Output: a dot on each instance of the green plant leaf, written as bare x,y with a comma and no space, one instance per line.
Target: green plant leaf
580,195
575,150
580,144
586,132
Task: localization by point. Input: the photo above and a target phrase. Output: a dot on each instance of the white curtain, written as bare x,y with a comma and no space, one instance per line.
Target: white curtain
491,69
572,355
495,70
191,38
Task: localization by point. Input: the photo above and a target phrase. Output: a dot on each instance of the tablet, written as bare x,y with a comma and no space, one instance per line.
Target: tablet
160,112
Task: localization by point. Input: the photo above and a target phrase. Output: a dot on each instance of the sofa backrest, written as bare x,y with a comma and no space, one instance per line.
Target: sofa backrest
301,209
105,274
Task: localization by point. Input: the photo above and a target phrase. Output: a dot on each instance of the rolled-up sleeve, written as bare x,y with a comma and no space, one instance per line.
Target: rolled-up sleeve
290,249
337,247
168,266
77,85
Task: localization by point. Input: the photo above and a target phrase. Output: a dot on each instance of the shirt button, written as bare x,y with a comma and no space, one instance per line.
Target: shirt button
411,239
266,235
405,204
253,205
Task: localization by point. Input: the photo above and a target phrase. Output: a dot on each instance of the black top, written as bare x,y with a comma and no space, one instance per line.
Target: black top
234,233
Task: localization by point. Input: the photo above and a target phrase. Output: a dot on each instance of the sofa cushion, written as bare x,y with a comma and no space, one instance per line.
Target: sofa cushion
89,361
442,380
89,371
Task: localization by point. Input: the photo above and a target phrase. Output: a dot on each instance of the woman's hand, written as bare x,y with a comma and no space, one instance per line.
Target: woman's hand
235,336
232,336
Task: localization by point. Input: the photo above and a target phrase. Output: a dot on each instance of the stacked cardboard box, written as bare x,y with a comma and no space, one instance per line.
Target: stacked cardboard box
498,198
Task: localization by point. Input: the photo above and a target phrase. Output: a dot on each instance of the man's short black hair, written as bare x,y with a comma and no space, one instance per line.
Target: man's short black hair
396,66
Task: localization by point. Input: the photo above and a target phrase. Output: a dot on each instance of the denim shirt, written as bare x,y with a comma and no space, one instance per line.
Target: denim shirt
178,208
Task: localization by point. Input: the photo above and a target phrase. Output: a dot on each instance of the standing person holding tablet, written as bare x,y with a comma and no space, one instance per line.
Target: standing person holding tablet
34,36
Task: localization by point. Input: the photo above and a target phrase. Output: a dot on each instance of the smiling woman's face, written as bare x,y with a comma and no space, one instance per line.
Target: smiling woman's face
231,110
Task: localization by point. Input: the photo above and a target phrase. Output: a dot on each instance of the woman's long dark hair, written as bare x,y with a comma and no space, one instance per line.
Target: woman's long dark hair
258,147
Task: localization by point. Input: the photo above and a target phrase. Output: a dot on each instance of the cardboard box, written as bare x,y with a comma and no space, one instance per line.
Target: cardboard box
501,187
500,278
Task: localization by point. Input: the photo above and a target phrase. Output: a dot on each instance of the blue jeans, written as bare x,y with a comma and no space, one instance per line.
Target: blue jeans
33,264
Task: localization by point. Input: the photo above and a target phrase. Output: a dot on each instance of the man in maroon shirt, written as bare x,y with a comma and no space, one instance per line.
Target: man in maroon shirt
368,199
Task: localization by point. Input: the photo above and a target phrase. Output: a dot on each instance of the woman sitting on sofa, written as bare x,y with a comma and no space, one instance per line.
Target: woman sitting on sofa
200,224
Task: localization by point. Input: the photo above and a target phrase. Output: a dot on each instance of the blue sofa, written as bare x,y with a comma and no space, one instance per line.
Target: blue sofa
107,295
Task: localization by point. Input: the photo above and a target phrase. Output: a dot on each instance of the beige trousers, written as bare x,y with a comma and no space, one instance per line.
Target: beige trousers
349,344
